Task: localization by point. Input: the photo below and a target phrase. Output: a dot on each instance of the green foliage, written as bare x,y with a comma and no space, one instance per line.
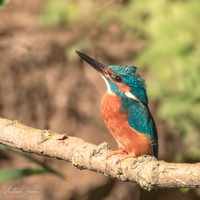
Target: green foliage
14,173
184,190
59,12
173,54
3,4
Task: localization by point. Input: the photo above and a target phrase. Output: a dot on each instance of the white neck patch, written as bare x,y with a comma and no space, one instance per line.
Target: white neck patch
108,86
129,95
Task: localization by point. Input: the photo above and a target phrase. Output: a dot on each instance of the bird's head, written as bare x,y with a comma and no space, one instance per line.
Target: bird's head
122,80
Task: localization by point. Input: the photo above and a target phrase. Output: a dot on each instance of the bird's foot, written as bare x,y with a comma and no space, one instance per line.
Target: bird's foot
118,151
127,156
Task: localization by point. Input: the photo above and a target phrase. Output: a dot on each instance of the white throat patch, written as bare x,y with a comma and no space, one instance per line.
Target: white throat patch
108,86
129,95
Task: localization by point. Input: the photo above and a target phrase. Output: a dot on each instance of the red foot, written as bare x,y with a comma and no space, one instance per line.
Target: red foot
118,151
128,156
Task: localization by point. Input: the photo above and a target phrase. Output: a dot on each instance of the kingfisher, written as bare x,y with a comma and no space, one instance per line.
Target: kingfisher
125,110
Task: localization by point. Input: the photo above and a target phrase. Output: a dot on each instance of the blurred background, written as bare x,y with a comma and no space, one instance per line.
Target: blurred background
45,85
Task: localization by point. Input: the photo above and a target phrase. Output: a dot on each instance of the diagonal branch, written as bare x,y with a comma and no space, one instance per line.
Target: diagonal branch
145,170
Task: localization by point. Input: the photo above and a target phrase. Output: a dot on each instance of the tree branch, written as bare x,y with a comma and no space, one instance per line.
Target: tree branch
144,170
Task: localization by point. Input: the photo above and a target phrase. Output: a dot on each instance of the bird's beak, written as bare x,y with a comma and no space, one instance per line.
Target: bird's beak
95,64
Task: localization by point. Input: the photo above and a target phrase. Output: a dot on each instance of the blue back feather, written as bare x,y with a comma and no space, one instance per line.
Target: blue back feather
140,118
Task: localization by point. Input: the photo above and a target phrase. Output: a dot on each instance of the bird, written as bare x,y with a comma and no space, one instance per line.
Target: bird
125,110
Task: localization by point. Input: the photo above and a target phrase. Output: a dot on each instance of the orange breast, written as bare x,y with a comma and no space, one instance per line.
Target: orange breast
132,141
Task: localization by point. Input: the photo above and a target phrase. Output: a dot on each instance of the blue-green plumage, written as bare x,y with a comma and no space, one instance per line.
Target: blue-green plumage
129,102
139,116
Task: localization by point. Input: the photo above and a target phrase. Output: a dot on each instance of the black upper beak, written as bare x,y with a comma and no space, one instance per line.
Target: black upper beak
97,65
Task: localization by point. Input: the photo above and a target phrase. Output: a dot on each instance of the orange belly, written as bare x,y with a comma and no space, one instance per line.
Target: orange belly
134,142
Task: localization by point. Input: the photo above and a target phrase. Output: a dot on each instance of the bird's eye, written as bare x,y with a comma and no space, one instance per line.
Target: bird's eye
118,79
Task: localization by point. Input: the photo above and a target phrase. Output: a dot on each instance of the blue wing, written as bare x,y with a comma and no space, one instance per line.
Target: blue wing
140,118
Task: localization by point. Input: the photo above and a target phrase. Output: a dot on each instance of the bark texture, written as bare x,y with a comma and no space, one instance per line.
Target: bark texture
145,170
